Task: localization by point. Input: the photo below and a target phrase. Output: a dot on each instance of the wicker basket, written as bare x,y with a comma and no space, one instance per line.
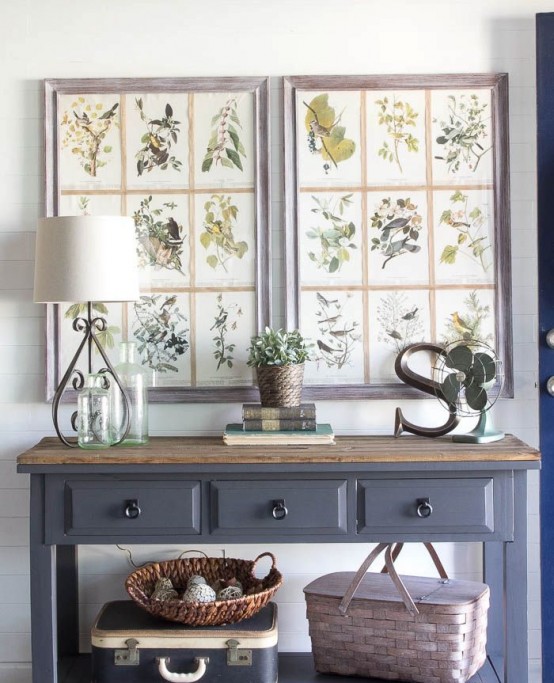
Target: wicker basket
380,633
280,385
141,582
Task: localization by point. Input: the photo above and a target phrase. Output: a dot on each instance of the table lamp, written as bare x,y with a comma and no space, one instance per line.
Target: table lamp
85,259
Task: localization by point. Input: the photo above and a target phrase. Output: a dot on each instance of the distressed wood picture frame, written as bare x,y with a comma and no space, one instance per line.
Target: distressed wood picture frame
188,159
397,223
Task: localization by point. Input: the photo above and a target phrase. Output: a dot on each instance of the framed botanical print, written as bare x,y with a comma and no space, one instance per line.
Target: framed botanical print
187,159
397,222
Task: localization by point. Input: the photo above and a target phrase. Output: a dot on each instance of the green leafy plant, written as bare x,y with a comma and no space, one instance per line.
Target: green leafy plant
467,324
161,331
223,349
84,206
219,222
464,132
85,129
399,321
224,146
399,224
397,116
335,237
159,236
337,337
325,136
160,135
471,242
277,347
105,337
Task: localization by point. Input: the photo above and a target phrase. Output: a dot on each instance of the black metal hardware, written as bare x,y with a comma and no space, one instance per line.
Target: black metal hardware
132,509
279,509
424,507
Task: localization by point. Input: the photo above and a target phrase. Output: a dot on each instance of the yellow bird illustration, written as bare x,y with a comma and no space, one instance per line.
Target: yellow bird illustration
460,325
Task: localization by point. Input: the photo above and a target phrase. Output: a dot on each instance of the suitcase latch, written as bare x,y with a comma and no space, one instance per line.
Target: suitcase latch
129,656
236,657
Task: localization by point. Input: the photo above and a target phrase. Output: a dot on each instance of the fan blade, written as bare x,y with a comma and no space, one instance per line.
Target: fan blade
484,368
476,397
450,388
460,358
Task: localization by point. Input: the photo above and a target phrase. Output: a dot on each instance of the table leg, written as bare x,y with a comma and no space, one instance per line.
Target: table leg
515,564
493,575
43,591
68,600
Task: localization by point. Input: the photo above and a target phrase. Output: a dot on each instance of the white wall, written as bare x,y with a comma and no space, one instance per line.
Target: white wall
73,38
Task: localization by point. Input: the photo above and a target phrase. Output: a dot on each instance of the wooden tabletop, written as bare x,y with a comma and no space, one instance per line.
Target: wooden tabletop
347,449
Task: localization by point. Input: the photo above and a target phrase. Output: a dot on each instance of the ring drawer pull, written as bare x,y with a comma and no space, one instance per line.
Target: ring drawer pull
182,678
424,507
132,509
279,509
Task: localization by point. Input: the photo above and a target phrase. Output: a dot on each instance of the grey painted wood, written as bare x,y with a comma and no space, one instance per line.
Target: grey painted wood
493,575
506,569
515,587
99,506
68,599
309,507
293,668
458,505
44,642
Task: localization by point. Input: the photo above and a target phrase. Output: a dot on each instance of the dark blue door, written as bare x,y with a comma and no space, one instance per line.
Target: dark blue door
545,199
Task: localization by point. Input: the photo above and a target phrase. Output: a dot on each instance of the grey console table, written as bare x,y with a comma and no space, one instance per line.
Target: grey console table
197,490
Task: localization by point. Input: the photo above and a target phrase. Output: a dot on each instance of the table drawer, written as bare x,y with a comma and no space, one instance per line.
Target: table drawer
293,507
400,506
160,508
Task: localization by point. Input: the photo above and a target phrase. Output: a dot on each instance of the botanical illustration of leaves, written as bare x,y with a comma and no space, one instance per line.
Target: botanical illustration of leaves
224,147
325,136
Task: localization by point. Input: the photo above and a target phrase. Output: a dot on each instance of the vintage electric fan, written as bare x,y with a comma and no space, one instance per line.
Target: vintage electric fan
469,374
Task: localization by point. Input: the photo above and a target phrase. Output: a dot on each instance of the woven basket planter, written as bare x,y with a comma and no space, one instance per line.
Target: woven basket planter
368,625
280,385
140,585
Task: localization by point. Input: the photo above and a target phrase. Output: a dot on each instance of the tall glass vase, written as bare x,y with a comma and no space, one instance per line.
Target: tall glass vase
135,380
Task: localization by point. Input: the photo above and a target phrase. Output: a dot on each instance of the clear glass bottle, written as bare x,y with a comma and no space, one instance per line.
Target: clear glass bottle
93,414
134,378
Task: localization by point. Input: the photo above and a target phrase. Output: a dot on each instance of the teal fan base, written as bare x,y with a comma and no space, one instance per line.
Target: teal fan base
484,432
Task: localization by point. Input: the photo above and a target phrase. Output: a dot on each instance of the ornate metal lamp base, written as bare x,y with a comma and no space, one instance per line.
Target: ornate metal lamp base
89,326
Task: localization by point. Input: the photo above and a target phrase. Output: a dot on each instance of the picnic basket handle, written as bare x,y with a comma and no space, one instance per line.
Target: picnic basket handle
173,677
391,553
432,552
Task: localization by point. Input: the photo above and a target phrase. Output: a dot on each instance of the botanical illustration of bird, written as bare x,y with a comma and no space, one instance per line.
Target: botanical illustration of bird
411,314
324,347
169,302
174,232
394,334
323,300
460,325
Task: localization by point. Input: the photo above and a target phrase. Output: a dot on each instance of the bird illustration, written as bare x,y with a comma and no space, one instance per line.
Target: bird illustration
325,348
169,302
324,301
174,232
460,325
394,334
411,315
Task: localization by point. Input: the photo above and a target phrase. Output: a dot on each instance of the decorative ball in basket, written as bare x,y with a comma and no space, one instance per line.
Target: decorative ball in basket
279,358
215,570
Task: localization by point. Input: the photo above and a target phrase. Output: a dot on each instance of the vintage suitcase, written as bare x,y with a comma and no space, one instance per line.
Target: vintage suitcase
131,646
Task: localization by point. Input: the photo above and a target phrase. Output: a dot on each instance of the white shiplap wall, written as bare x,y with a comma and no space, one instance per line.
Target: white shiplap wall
73,38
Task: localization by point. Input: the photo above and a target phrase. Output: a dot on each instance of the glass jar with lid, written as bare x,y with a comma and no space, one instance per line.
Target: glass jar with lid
135,378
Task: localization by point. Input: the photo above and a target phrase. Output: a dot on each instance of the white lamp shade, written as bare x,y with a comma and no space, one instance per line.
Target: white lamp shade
86,258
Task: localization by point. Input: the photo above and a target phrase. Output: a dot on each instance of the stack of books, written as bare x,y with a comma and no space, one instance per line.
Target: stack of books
287,425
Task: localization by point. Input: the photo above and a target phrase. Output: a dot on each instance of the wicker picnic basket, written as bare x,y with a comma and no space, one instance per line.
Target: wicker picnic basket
369,625
140,585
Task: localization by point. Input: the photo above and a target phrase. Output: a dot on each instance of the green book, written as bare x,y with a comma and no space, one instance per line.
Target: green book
256,411
235,435
279,425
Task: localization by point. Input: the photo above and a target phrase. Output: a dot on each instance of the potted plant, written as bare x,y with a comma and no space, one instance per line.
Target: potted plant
279,357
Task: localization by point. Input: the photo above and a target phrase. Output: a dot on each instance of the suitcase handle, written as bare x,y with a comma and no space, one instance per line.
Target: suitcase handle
182,678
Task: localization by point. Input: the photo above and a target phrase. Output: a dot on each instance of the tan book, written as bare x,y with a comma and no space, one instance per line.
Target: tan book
255,411
279,425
